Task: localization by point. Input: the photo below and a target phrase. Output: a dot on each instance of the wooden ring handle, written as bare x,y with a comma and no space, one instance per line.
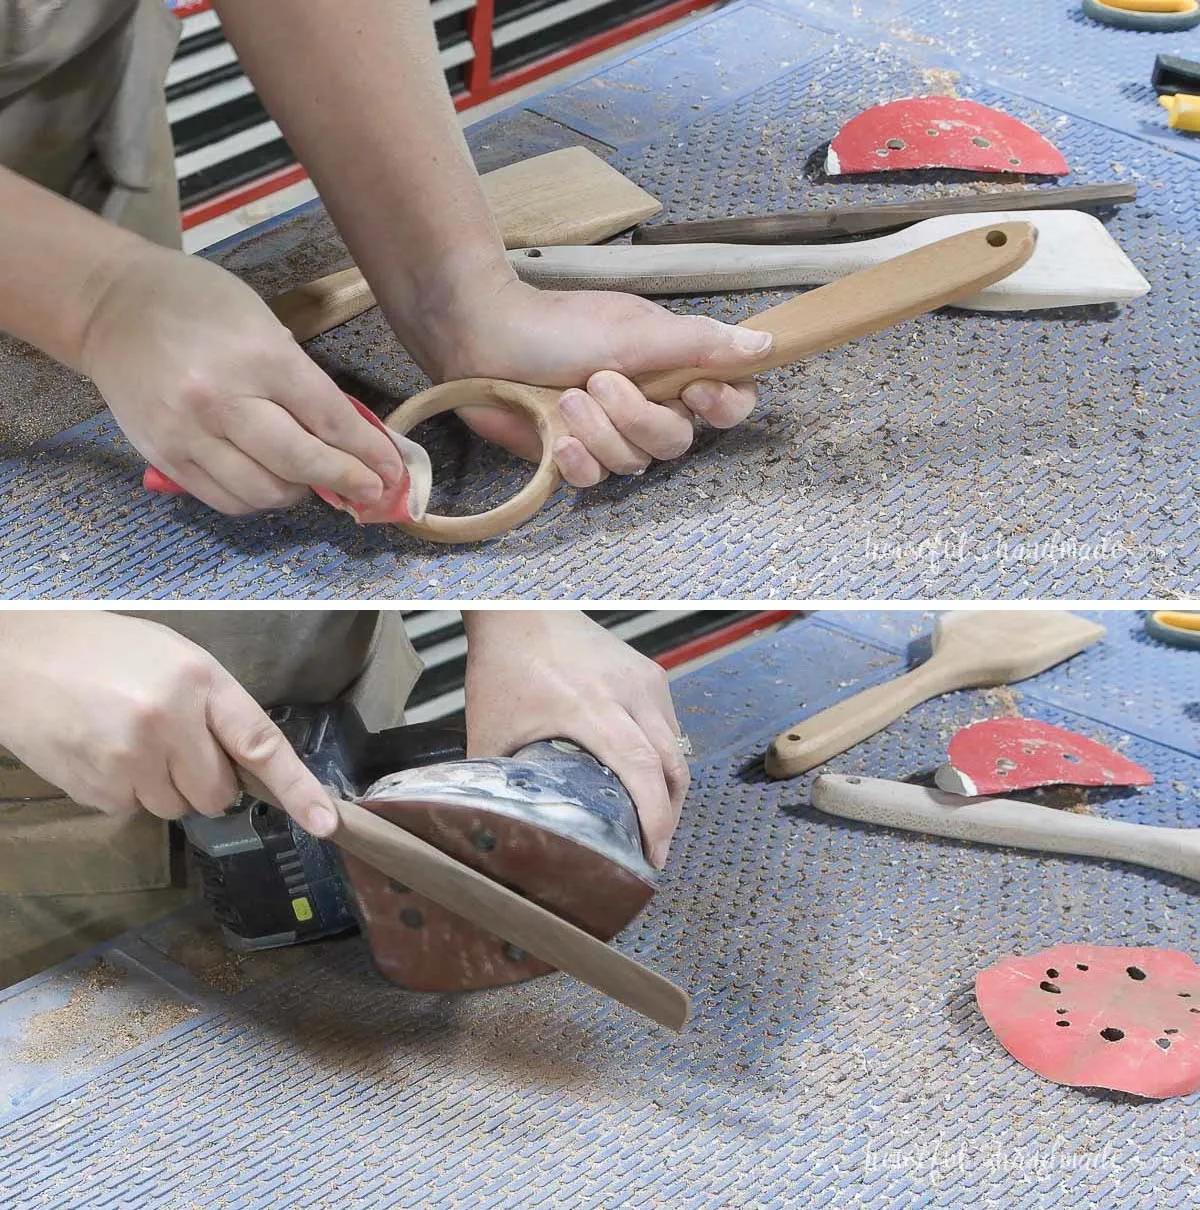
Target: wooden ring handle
539,404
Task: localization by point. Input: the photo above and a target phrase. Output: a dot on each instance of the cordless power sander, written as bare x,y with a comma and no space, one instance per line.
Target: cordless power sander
549,822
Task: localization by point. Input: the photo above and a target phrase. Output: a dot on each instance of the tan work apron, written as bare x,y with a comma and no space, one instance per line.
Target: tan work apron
83,106
51,846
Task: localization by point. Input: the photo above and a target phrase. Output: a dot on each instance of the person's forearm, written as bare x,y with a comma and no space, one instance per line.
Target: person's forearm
56,261
359,93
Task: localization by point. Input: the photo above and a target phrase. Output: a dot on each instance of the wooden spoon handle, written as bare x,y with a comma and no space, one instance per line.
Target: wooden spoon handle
849,722
1007,821
873,299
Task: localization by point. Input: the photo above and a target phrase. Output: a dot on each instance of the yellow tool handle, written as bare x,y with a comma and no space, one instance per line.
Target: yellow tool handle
1177,620
1151,6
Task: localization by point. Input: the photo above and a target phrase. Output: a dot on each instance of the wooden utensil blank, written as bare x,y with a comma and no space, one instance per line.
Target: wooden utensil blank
840,222
570,196
493,907
810,323
1007,821
971,649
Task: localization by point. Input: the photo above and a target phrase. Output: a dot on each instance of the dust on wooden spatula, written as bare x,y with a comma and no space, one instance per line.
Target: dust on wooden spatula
1004,754
1099,1016
940,132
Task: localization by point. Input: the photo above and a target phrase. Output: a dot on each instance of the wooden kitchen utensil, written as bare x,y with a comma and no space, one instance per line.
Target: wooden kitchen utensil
1076,263
842,222
971,649
1007,821
822,319
458,888
563,197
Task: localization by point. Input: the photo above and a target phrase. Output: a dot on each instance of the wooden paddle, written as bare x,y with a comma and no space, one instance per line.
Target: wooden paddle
475,897
1008,821
1076,263
563,197
971,649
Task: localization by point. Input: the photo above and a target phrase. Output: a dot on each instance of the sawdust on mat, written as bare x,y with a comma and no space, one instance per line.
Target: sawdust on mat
940,82
1003,700
59,1032
205,956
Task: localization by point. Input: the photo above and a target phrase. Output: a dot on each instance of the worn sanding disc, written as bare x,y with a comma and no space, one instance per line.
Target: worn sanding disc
940,132
424,947
1099,1016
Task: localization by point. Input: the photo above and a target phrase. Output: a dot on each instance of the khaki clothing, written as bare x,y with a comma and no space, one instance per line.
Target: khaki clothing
83,106
51,846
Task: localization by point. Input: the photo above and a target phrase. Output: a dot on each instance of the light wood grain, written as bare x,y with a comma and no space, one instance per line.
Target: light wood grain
1006,821
811,323
971,649
1076,263
570,196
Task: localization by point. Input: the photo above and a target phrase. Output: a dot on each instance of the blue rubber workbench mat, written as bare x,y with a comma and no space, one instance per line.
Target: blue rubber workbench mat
1048,454
835,1057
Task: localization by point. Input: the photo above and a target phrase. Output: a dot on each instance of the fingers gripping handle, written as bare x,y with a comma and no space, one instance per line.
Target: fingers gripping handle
872,299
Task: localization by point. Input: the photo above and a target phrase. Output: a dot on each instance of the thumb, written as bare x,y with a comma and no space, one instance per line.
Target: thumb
667,341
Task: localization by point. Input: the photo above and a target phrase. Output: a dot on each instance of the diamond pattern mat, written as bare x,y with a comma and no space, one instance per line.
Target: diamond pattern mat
957,455
835,1059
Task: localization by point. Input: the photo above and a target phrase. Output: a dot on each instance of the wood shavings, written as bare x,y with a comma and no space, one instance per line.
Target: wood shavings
1003,701
63,1032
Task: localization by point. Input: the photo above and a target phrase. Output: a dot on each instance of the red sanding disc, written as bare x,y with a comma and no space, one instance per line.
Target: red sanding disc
1003,754
402,503
940,132
1098,1016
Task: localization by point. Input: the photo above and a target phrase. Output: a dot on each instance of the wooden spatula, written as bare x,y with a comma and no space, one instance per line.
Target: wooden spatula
1007,821
563,197
1076,263
971,649
446,881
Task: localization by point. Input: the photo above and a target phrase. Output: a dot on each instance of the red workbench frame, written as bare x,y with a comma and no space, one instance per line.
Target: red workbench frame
482,85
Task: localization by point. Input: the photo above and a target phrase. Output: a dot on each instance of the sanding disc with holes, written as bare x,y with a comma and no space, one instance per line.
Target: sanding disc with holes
552,824
1099,1016
940,132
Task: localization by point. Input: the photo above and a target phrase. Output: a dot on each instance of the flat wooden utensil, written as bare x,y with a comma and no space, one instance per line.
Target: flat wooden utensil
1076,263
1007,821
569,196
841,222
475,897
919,281
971,649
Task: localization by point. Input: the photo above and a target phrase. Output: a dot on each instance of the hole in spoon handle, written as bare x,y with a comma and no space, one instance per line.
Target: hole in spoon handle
539,404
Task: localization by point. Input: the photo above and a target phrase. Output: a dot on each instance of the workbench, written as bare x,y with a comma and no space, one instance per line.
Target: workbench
957,455
835,1057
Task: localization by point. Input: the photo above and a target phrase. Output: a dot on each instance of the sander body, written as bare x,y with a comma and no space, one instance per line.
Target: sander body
549,822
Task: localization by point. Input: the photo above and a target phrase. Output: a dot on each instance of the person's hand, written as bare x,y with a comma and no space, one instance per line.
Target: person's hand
594,342
212,389
125,715
549,674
